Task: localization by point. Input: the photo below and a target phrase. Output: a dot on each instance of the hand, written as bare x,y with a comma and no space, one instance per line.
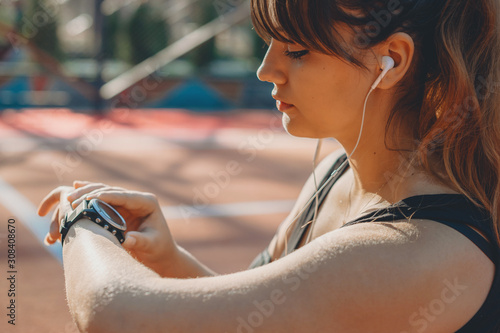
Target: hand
56,196
148,238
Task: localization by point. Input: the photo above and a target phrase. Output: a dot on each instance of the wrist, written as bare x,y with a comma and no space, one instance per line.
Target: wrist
185,265
100,213
85,227
172,262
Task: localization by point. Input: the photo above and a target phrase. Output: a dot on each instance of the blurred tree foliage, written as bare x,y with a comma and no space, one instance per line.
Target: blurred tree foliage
207,52
116,38
148,33
259,46
40,26
110,36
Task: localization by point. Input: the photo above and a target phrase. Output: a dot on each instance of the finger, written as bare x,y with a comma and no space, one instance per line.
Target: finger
95,193
127,199
78,193
54,229
80,183
139,241
49,201
48,240
65,205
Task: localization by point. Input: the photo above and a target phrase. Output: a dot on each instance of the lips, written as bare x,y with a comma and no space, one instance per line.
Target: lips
282,106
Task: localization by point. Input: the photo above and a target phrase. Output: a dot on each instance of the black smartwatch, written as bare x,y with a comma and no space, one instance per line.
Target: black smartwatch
98,212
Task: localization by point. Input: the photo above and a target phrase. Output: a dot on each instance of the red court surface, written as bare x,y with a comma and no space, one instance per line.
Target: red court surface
225,181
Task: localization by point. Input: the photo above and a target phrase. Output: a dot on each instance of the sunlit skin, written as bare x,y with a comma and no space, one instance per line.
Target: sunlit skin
325,96
327,93
366,278
322,96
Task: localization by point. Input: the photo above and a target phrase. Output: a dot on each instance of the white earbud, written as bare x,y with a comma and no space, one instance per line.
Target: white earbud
387,64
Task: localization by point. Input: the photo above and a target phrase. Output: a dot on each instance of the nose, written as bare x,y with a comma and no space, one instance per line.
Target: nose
271,69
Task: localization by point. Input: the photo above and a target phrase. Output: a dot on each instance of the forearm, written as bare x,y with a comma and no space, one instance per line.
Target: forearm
94,265
185,265
109,291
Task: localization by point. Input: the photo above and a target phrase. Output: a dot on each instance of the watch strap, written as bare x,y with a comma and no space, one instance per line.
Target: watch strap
84,211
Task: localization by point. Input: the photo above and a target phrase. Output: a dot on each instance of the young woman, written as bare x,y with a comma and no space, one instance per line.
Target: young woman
400,232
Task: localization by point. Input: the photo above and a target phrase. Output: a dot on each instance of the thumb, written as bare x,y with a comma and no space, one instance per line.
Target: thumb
138,241
80,183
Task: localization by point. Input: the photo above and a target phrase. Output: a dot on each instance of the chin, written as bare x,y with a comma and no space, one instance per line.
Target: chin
296,128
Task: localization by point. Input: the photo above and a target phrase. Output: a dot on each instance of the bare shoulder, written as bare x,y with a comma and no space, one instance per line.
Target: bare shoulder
418,275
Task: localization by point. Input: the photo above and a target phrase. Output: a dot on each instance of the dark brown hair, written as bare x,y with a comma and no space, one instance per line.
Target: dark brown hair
452,89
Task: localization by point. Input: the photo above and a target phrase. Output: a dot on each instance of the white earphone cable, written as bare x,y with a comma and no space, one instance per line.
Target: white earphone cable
315,196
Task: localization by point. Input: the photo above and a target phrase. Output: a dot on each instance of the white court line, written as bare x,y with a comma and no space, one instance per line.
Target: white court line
228,210
132,141
25,212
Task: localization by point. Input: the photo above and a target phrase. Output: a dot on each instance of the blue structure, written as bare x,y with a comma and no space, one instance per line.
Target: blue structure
193,95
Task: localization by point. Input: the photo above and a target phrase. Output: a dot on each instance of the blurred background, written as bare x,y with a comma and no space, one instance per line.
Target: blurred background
156,96
63,52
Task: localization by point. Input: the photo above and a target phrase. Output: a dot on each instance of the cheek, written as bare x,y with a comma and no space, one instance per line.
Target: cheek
329,96
321,96
326,85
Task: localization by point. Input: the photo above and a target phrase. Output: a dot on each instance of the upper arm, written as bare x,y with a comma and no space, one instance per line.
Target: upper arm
365,278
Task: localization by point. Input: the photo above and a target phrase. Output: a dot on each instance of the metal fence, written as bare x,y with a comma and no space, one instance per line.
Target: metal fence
96,55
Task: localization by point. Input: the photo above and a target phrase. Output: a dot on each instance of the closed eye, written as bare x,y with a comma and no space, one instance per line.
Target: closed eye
296,55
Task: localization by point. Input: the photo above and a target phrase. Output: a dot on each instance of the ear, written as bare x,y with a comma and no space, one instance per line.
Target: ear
401,48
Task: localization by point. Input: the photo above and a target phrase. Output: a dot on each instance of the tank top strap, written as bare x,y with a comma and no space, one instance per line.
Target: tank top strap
301,226
304,221
459,213
453,210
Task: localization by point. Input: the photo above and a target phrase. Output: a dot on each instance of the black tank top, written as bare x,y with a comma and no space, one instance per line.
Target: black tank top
454,210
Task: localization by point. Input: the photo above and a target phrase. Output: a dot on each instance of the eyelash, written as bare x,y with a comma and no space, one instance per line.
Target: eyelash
296,55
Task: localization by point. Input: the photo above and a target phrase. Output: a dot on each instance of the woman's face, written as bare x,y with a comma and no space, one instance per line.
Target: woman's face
320,95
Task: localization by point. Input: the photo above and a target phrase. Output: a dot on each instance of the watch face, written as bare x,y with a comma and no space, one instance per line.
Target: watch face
109,214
